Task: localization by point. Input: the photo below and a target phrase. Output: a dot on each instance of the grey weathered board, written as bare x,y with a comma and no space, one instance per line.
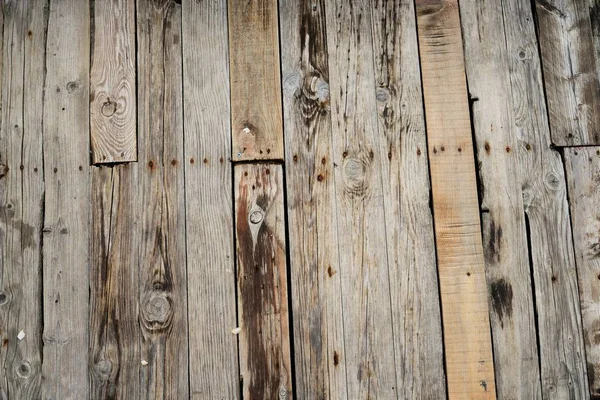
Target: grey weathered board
314,243
511,129
67,202
467,336
21,197
213,355
569,36
113,82
264,338
583,176
256,124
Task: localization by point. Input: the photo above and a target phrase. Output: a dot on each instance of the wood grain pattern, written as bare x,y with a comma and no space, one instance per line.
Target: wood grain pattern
113,82
313,245
571,69
467,337
256,116
21,196
583,177
265,360
510,291
67,202
209,203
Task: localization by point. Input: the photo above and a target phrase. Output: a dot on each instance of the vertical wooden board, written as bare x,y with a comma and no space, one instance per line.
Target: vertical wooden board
408,220
571,70
562,364
583,177
160,202
313,246
265,360
510,291
256,117
112,82
67,202
467,337
21,197
114,343
208,187
368,352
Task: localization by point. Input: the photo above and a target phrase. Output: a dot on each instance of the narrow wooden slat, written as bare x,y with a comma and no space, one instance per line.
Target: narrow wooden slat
265,361
513,322
571,69
67,202
209,217
160,202
256,130
314,261
583,177
21,197
467,337
112,82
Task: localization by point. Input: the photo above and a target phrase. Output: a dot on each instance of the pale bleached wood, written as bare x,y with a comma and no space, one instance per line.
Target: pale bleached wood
467,336
510,290
265,360
209,218
67,202
313,245
571,69
417,325
113,82
583,177
256,117
21,197
366,301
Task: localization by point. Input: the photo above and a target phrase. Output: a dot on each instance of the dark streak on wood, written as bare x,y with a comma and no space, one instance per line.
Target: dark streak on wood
502,296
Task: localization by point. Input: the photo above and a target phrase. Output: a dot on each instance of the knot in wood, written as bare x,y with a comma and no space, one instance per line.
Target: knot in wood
256,216
283,393
103,369
109,108
355,176
157,311
3,298
24,370
382,94
552,181
3,170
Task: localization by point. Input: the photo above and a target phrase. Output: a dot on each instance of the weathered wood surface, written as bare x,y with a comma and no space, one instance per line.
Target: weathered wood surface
21,197
569,34
113,82
313,246
213,356
510,290
467,337
256,116
583,176
66,229
264,339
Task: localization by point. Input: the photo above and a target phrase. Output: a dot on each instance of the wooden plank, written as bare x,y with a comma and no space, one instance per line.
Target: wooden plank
67,202
467,337
571,69
265,360
112,82
21,197
364,264
583,177
256,122
510,291
209,236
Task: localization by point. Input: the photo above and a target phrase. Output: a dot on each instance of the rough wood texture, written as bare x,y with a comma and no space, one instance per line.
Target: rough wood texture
265,361
583,177
314,259
467,337
113,82
21,196
257,130
510,290
209,203
571,69
67,202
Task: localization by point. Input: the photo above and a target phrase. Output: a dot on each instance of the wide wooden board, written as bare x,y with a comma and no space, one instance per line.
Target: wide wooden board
467,336
113,82
256,117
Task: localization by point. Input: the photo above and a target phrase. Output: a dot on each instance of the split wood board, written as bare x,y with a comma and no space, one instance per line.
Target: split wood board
467,336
